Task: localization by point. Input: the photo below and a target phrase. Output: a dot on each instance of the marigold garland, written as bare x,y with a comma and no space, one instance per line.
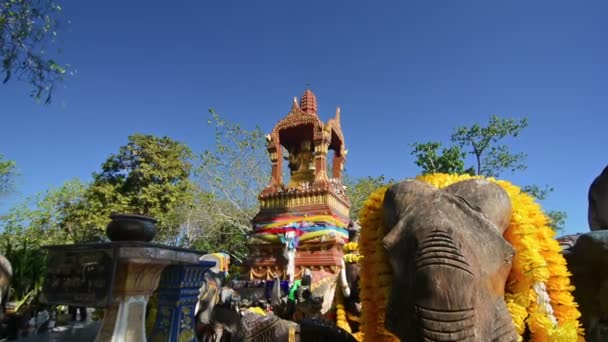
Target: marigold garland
341,320
257,310
351,247
352,258
538,292
351,251
376,274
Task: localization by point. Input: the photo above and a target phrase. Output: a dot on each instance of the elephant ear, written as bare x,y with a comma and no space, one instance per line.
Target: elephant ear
487,198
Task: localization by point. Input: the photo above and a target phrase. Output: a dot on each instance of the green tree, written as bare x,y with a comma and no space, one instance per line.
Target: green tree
428,158
7,172
557,218
148,176
359,189
231,175
491,158
28,28
34,223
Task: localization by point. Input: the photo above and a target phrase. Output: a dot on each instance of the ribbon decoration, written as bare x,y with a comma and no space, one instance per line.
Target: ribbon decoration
303,228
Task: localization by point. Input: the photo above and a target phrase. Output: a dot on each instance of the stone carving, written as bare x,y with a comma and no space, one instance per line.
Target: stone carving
6,273
587,260
598,202
587,257
449,260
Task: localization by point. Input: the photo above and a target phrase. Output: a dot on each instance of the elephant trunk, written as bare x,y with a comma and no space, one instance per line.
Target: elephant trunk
343,281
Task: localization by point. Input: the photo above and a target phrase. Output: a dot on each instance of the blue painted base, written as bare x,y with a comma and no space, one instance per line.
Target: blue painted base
177,295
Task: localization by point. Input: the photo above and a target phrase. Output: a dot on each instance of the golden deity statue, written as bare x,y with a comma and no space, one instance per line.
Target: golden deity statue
301,165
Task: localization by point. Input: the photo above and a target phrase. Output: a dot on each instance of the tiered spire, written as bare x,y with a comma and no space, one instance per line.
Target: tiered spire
308,102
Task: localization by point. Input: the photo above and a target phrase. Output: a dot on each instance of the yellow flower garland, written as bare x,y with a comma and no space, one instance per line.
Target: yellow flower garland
341,320
538,292
351,247
376,274
351,251
257,310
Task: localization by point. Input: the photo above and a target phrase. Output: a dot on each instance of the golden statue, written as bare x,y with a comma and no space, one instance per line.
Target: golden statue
301,164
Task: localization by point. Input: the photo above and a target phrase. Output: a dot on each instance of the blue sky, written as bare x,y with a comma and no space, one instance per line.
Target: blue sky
402,71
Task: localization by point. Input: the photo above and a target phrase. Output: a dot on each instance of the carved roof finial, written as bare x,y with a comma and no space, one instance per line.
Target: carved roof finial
308,102
295,103
337,117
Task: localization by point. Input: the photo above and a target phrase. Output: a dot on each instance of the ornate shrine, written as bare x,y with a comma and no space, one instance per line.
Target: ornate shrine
302,221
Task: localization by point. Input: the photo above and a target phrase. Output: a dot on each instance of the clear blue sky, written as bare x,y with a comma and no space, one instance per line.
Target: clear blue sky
402,71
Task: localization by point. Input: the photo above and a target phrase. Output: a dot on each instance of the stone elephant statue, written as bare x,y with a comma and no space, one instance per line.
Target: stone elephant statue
598,202
352,271
6,274
352,302
450,261
587,261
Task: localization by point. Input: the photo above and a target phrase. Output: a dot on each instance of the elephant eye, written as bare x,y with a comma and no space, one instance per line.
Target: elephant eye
470,204
509,257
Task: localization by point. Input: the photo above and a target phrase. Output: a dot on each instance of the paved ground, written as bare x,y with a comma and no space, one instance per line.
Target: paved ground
74,332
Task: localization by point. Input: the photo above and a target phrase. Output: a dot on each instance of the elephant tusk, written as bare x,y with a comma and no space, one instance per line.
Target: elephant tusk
344,283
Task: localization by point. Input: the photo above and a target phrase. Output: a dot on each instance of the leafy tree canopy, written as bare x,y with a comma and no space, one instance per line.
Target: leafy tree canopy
148,176
34,223
7,171
359,189
483,143
28,28
229,178
491,157
450,160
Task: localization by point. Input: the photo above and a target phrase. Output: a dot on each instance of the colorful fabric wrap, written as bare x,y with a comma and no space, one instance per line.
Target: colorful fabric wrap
294,289
305,228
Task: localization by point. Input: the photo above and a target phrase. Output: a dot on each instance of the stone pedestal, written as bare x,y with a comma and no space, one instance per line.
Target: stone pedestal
139,270
117,276
177,296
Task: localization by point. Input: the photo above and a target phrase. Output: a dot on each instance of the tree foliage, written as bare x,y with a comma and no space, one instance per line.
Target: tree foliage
540,193
491,158
483,143
428,158
557,218
230,175
359,189
7,172
34,223
148,176
28,28
490,155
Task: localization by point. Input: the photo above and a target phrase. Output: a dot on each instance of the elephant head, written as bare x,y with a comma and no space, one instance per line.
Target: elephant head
449,261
